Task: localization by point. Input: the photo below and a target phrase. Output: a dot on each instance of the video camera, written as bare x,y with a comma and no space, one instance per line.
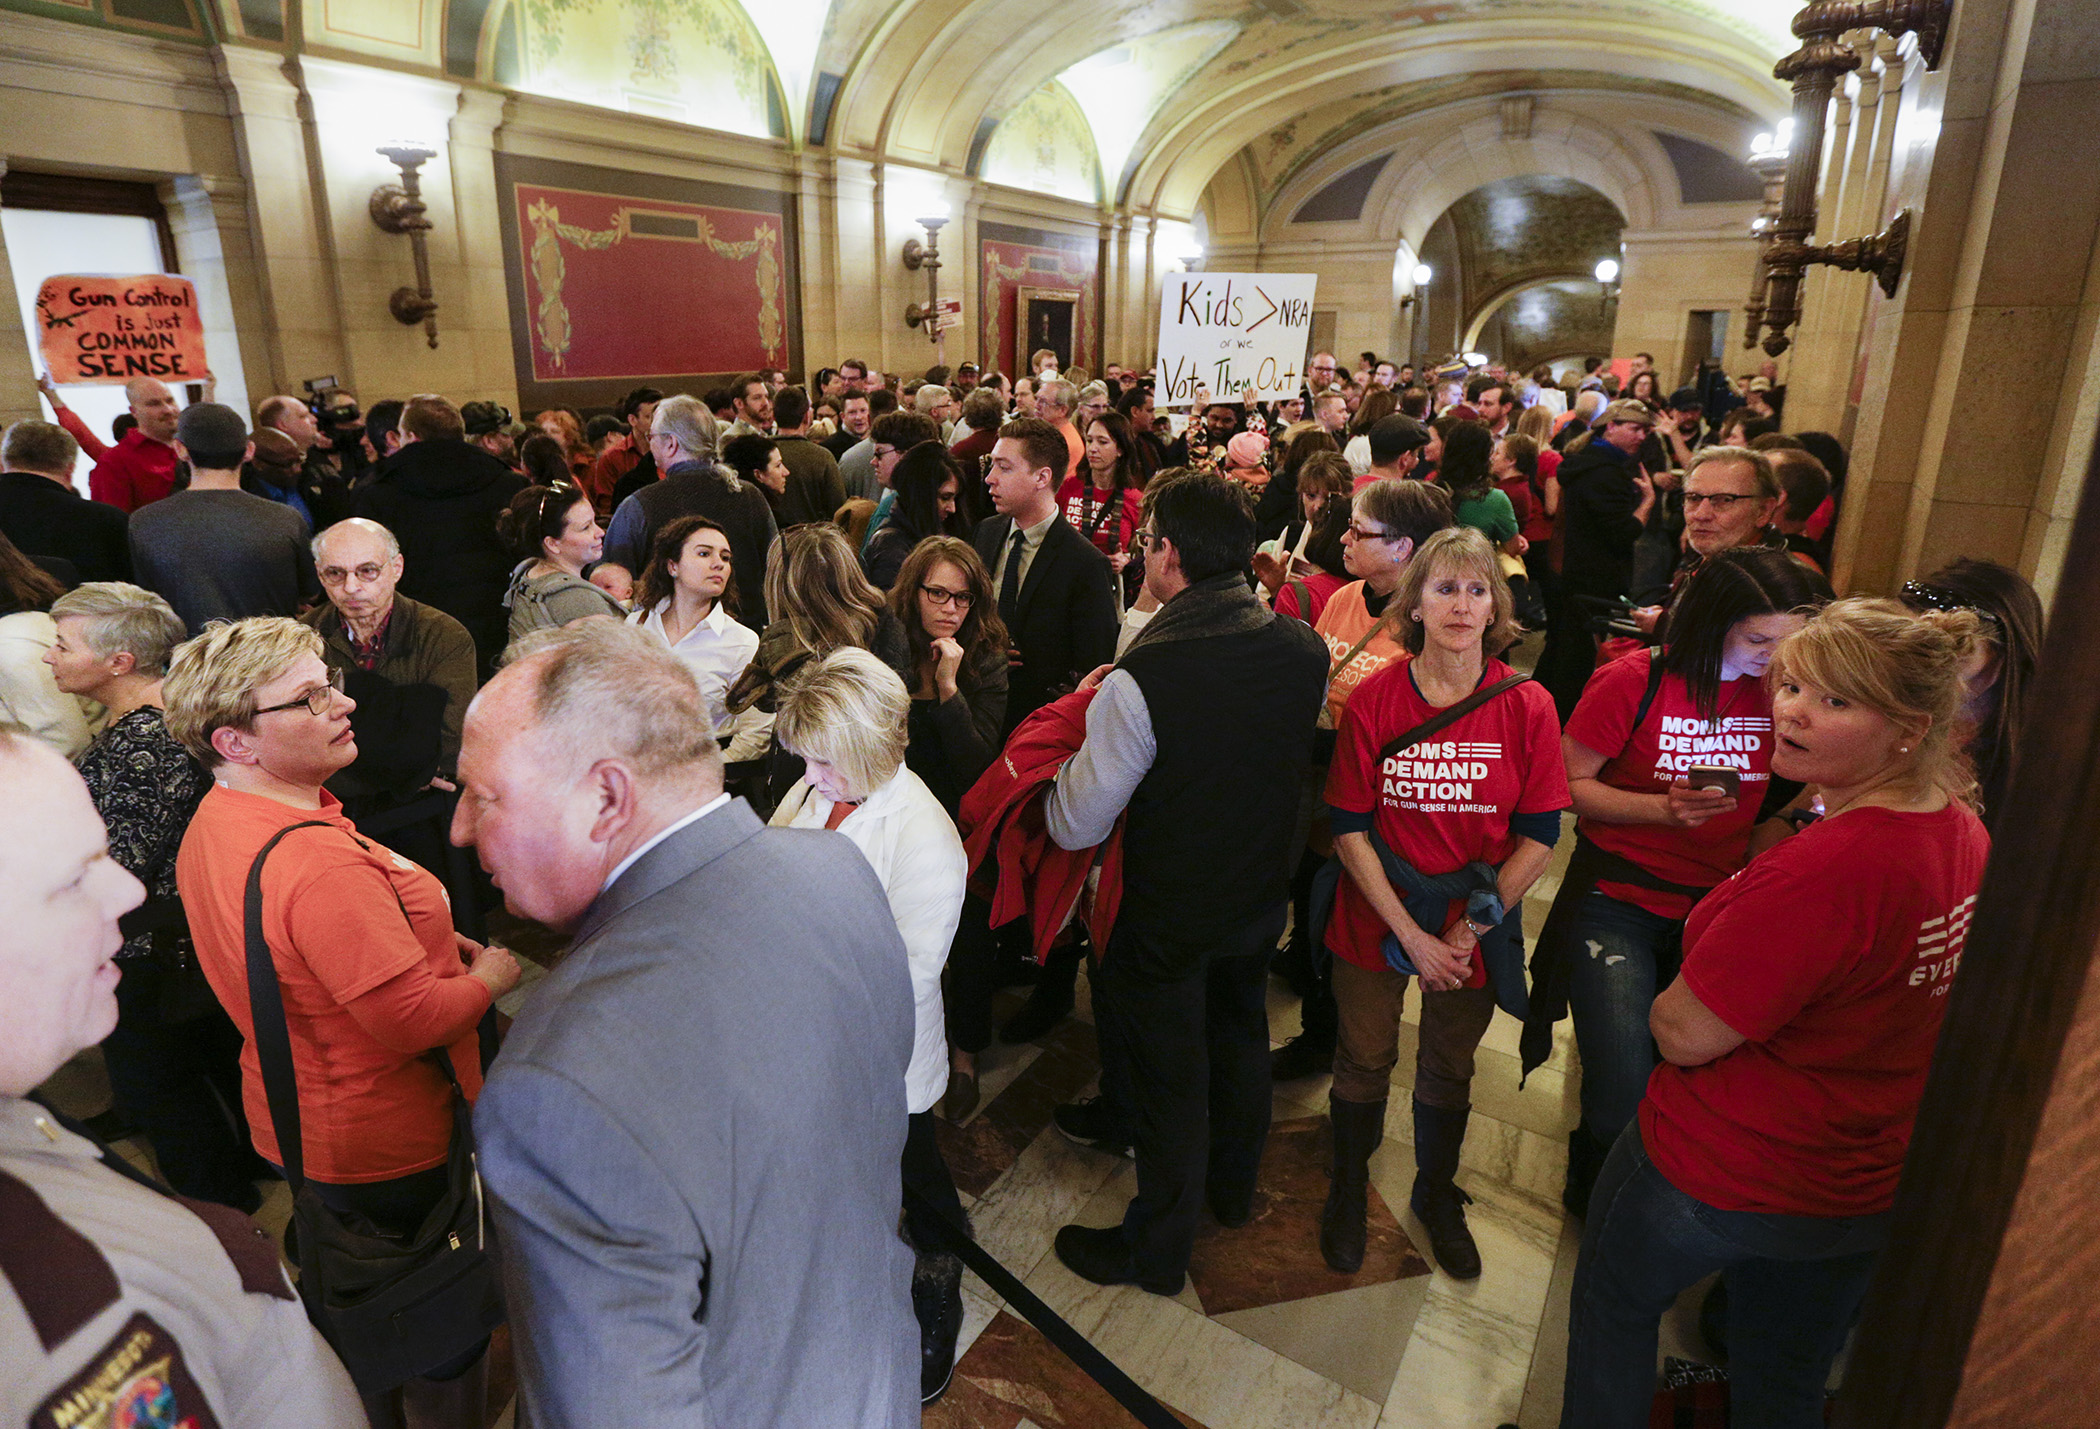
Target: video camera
341,421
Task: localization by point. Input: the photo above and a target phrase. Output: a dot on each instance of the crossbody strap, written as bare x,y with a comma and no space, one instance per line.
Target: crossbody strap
273,1038
1445,717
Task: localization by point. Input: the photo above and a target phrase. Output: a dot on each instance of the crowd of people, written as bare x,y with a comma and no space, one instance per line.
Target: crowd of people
1176,702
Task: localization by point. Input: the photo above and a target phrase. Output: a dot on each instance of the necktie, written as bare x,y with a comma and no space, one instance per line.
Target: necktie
1010,582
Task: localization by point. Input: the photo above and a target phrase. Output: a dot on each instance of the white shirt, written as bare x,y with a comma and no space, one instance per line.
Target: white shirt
716,650
908,839
659,836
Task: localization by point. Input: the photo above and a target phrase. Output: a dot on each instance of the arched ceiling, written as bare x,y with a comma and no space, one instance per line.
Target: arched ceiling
1168,91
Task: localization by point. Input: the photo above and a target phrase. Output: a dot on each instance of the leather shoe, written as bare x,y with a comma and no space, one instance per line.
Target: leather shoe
1103,1256
961,1097
1305,1055
1091,1124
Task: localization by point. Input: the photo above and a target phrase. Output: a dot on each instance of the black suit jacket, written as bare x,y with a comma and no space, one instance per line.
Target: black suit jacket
1065,619
45,519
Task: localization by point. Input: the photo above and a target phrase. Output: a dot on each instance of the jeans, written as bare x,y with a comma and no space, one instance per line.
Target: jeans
1186,1061
1624,957
1794,1284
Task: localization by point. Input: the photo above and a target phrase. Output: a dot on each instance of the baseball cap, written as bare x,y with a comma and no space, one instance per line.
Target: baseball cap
1394,436
1627,411
483,418
1686,399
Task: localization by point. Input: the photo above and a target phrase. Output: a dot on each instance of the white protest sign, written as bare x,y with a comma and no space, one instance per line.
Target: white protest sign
1226,331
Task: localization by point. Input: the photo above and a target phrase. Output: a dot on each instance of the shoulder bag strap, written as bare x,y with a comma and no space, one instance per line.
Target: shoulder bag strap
273,1040
1356,649
1303,592
1655,680
1446,717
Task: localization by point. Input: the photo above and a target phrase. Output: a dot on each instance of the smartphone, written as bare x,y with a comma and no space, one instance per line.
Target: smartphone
1710,776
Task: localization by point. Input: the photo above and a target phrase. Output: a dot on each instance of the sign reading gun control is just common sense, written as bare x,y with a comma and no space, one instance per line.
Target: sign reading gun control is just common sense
100,329
1225,332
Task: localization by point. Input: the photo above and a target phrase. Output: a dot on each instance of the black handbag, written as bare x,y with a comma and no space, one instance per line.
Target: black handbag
391,1308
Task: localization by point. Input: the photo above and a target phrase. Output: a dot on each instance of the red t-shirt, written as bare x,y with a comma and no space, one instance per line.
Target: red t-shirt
1098,520
1832,953
1446,802
368,1111
1647,760
1538,526
1320,586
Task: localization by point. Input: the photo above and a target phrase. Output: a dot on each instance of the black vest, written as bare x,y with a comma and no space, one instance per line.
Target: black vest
1209,830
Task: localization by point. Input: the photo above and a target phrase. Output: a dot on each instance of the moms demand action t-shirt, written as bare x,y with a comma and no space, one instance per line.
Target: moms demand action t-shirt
1674,737
1446,802
1832,954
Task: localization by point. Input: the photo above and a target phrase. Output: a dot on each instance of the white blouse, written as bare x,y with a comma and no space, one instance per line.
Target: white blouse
716,650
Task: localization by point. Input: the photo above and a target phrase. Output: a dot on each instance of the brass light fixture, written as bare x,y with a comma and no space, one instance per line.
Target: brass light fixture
1421,274
1775,303
927,256
398,208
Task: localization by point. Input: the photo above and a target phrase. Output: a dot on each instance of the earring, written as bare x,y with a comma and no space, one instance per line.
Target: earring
1415,616
1903,749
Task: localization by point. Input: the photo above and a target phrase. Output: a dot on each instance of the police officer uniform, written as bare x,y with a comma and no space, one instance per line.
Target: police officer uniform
124,1306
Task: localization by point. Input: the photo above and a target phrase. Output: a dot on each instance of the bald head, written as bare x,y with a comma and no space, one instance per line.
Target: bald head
154,407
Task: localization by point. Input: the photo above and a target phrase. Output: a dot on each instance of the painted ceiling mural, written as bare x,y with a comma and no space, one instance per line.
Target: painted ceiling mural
1121,88
1046,145
699,61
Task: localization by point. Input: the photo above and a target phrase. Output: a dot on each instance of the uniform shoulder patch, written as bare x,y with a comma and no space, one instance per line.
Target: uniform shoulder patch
137,1381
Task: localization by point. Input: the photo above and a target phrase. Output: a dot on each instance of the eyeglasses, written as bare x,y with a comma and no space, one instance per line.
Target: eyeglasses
1145,538
1365,533
960,599
1719,500
336,575
317,701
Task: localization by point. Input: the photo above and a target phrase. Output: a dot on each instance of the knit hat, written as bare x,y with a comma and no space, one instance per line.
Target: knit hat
1246,450
1687,399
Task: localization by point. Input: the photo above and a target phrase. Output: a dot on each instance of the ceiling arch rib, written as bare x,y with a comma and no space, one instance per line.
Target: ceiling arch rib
1187,143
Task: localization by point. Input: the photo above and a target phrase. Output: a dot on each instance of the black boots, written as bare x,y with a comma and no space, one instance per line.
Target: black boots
1307,1055
1358,1128
1437,1201
1050,1000
1585,1159
936,1298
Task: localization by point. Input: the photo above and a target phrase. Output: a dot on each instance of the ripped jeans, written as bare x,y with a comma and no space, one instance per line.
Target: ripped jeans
1624,957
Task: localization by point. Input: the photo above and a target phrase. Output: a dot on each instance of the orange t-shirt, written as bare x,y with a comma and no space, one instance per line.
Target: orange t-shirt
1343,621
369,1111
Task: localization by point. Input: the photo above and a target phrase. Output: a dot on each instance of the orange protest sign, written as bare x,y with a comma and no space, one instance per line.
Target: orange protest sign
102,329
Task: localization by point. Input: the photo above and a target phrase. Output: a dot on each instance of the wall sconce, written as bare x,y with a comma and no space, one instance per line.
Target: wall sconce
1768,160
398,208
927,256
1189,259
1814,71
1607,276
1422,274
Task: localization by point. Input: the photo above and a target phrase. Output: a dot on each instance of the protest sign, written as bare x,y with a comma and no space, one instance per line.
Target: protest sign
1224,332
101,329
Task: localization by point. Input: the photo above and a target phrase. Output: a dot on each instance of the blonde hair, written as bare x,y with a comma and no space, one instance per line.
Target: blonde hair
849,711
115,616
1537,424
1905,665
815,584
1467,550
605,688
212,680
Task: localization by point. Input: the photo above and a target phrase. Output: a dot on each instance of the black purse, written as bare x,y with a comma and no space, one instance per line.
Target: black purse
391,1308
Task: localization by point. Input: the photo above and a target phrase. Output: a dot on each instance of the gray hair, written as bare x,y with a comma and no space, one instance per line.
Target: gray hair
605,688
1588,403
1093,390
928,398
849,710
119,617
1059,394
686,420
359,523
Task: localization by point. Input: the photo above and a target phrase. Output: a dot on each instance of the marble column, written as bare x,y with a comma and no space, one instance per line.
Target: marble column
208,216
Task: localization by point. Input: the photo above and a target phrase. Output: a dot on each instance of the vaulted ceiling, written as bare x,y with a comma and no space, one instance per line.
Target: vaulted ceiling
1163,93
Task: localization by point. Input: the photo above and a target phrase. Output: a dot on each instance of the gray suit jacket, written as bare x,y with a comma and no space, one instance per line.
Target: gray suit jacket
691,1144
